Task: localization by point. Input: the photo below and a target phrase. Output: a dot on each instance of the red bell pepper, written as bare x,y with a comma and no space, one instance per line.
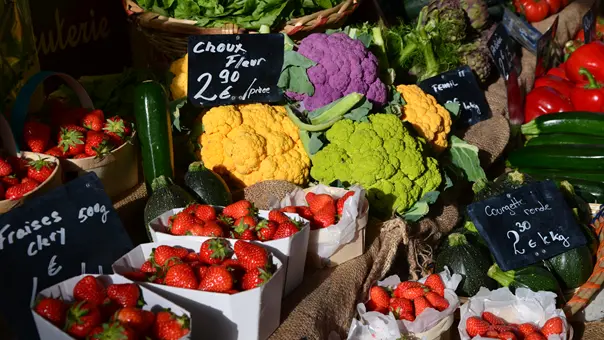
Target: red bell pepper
588,97
589,56
561,85
558,72
545,100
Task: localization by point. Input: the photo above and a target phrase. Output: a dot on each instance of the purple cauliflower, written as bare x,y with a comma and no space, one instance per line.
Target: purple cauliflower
344,66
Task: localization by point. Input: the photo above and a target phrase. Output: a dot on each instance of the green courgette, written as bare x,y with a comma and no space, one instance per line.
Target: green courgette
470,261
166,196
592,192
208,186
572,268
563,174
534,277
581,123
570,157
154,131
563,139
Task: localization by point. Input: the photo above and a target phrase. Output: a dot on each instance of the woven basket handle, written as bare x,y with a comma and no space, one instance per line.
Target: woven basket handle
21,106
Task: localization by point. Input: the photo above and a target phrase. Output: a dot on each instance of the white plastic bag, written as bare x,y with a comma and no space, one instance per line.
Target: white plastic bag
354,216
525,306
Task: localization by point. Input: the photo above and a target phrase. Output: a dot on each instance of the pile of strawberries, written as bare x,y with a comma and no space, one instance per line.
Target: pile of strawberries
239,221
213,269
112,312
19,176
409,299
78,133
322,210
492,326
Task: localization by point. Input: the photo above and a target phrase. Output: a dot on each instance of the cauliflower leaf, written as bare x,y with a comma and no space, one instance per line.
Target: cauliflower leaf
465,157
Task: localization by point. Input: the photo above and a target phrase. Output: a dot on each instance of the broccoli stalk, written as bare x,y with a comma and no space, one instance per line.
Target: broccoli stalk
419,39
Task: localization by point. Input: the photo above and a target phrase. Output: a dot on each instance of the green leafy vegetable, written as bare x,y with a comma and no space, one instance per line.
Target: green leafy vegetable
421,207
175,107
293,73
465,157
453,109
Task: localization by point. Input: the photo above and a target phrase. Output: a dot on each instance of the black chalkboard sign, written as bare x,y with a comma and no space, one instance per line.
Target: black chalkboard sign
548,52
527,225
523,32
71,230
459,86
234,69
589,24
502,52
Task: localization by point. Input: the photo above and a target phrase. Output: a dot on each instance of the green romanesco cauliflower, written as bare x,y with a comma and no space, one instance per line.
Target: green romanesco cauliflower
383,157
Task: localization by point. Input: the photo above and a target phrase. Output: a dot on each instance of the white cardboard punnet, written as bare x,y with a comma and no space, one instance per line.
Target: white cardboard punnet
249,315
291,251
64,290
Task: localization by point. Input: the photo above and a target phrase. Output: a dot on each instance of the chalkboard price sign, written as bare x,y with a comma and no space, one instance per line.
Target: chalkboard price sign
234,69
459,86
523,32
548,52
71,230
527,225
501,51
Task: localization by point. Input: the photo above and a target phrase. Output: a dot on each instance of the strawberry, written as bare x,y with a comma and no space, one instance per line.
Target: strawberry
239,209
402,309
113,330
277,216
61,115
323,203
491,333
199,269
245,234
181,223
89,289
340,202
255,278
438,302
414,293
509,335
108,308
251,255
9,181
1,191
181,275
26,180
135,318
216,279
40,169
209,229
234,267
554,325
249,222
205,213
190,209
476,326
289,209
535,336
20,190
136,275
286,229
82,318
162,254
72,142
527,328
52,310
215,251
191,257
171,327
97,144
420,304
379,296
71,127
93,120
55,152
80,156
310,198
126,295
403,286
196,230
36,136
117,129
244,227
323,219
305,212
493,319
5,168
435,282
265,230
148,267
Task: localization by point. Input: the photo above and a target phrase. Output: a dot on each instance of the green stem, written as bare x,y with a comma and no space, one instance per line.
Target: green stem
457,239
593,84
196,166
430,59
339,109
160,182
530,128
503,278
308,127
408,50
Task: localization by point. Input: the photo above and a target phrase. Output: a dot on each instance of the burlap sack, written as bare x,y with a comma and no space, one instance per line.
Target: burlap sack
589,330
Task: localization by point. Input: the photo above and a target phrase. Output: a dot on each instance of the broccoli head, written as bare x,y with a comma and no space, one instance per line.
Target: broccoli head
343,66
381,155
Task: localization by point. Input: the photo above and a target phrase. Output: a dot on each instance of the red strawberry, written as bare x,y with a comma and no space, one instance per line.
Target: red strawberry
554,325
438,302
108,308
148,267
527,328
210,229
215,251
265,230
420,304
9,181
82,318
27,180
117,130
36,136
162,254
248,222
190,209
255,278
435,282
286,229
97,144
535,336
55,152
93,120
172,328
52,310
340,202
126,295
234,267
72,127
196,230
244,228
181,223
305,212
289,209
379,296
323,203
1,191
89,289
136,275
402,309
205,213
323,219
476,326
5,168
491,333
199,269
113,330
216,279
251,255
40,169
509,335
245,234
414,293
493,319
71,141
403,286
277,216
80,156
135,318
239,209
20,190
181,275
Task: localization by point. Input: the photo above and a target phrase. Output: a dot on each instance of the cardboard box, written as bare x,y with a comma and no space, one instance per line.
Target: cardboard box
346,252
291,251
250,315
64,290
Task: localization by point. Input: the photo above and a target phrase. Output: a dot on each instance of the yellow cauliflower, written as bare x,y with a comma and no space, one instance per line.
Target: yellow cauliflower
180,70
429,119
251,143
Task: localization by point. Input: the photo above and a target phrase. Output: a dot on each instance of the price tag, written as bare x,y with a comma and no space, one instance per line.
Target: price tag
502,52
234,69
521,31
69,231
459,86
589,24
548,52
527,225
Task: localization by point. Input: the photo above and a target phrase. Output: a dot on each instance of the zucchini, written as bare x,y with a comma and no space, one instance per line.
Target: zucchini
470,261
570,157
154,131
572,268
555,174
166,196
592,192
534,277
563,139
208,186
581,123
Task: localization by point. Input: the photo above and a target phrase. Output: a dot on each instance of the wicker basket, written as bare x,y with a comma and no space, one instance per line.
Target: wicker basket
169,35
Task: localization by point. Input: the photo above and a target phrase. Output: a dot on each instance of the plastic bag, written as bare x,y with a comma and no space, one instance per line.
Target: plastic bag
354,216
525,306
